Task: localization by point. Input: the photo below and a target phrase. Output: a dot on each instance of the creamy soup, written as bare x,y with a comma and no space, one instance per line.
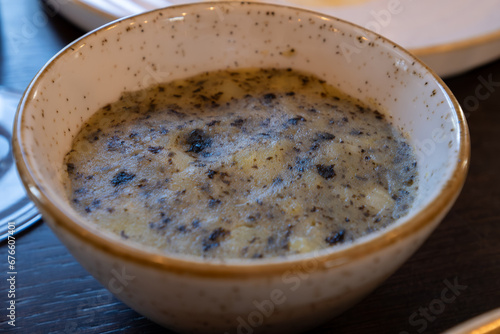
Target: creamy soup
240,164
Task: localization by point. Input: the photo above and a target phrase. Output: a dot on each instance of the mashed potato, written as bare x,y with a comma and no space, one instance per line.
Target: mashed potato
249,164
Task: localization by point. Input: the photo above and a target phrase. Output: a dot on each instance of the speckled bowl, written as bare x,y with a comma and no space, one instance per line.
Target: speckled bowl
239,296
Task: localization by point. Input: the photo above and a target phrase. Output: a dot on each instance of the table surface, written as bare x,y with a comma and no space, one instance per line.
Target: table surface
54,294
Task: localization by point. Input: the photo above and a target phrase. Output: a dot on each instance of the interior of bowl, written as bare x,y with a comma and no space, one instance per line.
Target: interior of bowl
181,41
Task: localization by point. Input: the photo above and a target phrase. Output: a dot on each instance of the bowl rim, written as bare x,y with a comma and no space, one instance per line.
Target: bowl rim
241,268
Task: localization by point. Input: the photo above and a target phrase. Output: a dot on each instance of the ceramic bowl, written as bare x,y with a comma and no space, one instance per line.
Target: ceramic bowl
239,296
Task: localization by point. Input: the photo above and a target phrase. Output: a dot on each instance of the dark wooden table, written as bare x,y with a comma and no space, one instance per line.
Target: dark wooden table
56,295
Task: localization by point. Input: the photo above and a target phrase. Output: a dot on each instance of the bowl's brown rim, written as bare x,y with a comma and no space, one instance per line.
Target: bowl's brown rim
76,226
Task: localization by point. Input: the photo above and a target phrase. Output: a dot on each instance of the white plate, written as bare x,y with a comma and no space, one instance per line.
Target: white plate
488,323
17,212
451,36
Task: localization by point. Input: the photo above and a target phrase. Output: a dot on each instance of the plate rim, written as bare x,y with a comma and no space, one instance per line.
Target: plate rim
434,55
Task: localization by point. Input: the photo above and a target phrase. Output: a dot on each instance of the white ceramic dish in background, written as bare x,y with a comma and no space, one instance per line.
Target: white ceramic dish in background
16,209
274,295
488,323
451,36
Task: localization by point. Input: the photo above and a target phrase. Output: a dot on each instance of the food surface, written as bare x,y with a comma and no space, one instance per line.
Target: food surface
240,164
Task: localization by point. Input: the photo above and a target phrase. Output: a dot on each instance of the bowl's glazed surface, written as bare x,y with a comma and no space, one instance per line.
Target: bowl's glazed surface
195,295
